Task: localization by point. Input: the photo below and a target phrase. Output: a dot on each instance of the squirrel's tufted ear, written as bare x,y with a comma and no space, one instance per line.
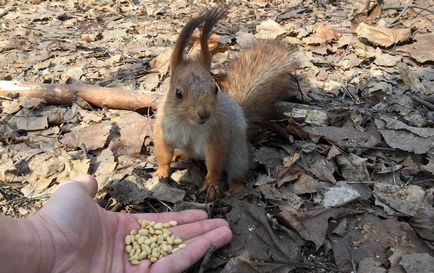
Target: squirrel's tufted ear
210,18
181,42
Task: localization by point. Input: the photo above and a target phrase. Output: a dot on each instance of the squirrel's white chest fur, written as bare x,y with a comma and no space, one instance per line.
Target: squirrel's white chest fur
184,135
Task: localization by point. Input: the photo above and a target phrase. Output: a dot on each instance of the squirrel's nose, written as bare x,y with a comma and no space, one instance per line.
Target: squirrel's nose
203,116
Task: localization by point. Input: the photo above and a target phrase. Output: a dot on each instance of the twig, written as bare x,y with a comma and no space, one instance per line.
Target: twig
396,20
429,105
411,6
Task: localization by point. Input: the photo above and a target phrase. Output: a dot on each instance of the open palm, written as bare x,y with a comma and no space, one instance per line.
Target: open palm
86,238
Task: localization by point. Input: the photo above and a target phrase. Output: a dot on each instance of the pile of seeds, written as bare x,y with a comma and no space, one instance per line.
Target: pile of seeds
152,241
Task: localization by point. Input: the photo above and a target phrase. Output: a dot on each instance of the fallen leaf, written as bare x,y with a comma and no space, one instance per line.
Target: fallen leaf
417,263
10,106
106,165
382,36
245,39
353,168
305,184
399,200
423,220
127,190
339,196
7,170
257,246
92,136
392,123
163,192
369,265
421,50
269,157
160,64
321,168
133,129
385,59
323,34
269,30
312,224
406,141
411,80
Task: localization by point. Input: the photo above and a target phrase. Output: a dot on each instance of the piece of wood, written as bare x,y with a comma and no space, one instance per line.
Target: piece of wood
113,98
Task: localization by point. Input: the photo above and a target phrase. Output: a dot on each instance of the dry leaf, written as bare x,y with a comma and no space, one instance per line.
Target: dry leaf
403,140
269,30
92,137
369,265
421,50
133,129
323,34
305,184
339,196
399,200
417,263
382,36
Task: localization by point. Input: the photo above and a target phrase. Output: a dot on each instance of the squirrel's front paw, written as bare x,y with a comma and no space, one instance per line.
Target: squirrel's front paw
211,187
162,172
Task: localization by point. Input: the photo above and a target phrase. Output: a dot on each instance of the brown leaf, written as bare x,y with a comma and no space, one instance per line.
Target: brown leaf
214,45
92,137
371,236
423,220
321,168
323,34
399,200
269,157
382,36
353,168
160,64
369,265
28,121
417,263
305,184
106,166
311,225
269,30
406,141
133,129
347,136
421,50
256,241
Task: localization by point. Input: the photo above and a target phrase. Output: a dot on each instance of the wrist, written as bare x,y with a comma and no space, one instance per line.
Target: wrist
26,245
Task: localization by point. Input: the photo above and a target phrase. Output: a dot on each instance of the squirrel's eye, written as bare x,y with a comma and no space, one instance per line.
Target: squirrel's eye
178,93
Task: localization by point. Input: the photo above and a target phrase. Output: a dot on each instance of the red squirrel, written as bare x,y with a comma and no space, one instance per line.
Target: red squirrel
197,120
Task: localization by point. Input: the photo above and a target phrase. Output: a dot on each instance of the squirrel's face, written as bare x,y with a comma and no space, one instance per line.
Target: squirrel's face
194,93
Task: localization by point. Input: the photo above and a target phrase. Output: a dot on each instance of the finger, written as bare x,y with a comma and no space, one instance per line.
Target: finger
88,182
196,229
142,267
195,249
181,217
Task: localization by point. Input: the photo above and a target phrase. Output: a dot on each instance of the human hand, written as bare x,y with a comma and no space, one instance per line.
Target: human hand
83,237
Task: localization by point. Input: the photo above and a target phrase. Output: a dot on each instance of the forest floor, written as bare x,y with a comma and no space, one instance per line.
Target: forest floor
346,185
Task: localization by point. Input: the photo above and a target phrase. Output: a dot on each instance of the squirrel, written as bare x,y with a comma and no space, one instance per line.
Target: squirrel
197,120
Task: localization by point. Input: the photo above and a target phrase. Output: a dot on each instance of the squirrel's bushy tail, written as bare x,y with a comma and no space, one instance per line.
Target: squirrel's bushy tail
260,77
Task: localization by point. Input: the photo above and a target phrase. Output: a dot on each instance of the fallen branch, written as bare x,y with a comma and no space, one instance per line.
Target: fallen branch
114,98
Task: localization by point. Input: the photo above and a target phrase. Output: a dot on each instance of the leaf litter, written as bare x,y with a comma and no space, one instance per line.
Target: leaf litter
347,184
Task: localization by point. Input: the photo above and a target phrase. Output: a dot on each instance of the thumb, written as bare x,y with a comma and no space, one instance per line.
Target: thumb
88,182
